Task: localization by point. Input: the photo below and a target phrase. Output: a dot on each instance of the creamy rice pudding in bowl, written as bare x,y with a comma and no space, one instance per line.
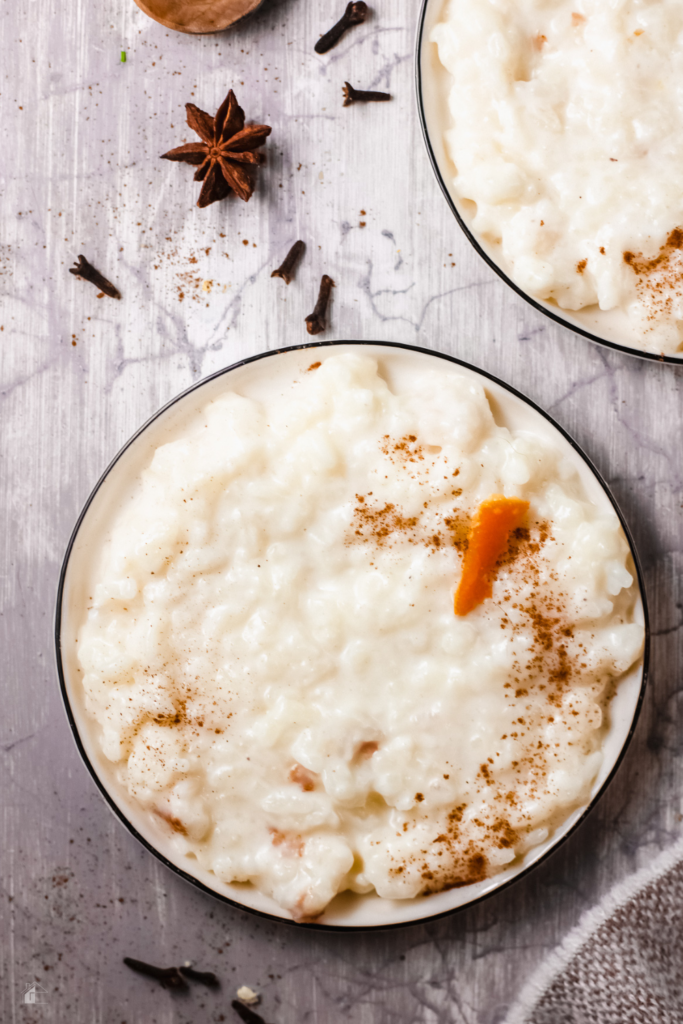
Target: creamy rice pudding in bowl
556,133
351,634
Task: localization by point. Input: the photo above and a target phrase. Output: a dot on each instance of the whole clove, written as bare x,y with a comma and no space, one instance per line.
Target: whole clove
247,1015
204,977
352,95
291,259
355,13
88,273
316,321
170,977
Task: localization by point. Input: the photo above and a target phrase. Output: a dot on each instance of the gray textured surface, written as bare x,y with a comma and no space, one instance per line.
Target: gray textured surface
79,172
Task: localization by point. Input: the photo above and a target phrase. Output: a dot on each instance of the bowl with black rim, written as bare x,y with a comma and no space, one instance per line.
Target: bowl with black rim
433,85
258,377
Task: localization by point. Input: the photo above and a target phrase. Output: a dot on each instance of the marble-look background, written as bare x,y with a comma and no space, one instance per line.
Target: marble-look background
79,172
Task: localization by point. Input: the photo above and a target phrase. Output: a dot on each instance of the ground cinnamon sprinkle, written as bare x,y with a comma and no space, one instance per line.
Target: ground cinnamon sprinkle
293,845
175,823
302,777
640,265
532,604
660,279
406,448
384,523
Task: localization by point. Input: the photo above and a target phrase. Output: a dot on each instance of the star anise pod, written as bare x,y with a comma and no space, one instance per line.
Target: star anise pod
226,158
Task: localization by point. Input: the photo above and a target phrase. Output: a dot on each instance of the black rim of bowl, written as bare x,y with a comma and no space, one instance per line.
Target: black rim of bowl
195,881
556,317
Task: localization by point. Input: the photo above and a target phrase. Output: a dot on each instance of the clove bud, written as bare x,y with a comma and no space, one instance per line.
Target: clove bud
355,13
247,1015
316,321
88,273
291,259
352,95
168,976
204,977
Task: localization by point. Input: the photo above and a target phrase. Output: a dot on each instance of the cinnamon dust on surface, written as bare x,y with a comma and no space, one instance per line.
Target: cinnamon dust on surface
660,279
384,523
531,603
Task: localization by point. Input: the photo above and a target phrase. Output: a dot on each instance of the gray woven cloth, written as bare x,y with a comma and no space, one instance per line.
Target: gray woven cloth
623,963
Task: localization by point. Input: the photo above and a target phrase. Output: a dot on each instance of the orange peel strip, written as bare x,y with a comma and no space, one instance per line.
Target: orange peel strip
488,539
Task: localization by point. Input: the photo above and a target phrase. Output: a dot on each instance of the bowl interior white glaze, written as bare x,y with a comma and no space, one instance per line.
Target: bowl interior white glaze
260,379
434,82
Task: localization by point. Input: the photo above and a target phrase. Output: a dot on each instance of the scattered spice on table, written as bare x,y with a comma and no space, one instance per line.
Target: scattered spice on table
352,95
170,977
286,269
356,12
247,1015
86,271
204,977
226,160
316,321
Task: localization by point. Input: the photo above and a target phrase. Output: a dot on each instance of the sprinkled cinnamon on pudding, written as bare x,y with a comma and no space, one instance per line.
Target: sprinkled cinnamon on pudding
275,667
565,133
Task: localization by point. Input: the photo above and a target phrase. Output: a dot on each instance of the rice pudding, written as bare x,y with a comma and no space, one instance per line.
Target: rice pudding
566,131
273,666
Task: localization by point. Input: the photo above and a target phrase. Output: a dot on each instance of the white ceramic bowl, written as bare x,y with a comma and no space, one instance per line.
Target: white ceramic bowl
433,81
261,377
